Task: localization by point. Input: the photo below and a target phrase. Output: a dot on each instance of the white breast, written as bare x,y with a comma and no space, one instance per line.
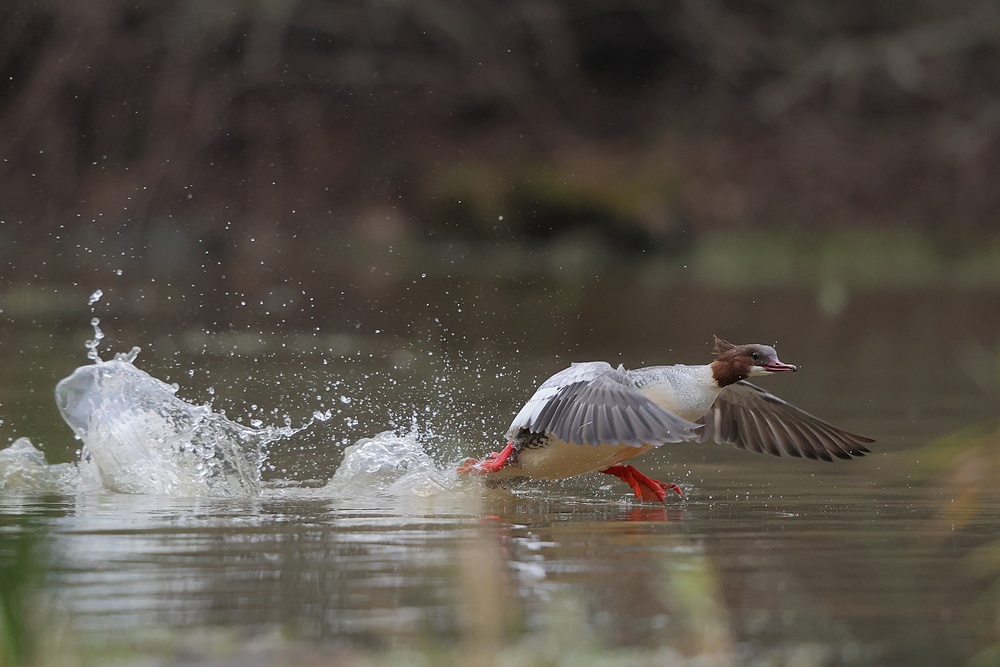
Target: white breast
558,459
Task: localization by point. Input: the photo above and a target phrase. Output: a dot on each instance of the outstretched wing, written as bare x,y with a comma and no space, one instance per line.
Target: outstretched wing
593,403
750,418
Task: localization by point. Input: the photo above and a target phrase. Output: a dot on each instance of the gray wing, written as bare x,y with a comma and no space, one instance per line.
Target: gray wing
750,418
593,403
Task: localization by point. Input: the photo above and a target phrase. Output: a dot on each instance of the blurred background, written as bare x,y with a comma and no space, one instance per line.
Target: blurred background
173,133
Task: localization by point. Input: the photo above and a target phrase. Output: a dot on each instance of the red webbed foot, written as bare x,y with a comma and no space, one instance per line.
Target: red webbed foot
645,488
491,463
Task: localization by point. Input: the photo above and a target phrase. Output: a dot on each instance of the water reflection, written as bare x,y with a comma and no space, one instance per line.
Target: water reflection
588,576
966,466
730,579
152,563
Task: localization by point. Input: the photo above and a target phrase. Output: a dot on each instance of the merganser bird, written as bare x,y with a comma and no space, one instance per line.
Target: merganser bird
591,417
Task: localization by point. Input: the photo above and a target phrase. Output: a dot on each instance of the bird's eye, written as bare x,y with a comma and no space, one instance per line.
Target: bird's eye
756,356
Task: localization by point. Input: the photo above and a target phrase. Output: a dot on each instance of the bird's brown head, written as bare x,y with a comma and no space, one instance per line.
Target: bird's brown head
739,362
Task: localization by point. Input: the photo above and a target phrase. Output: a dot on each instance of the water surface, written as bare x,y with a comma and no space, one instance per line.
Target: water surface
889,559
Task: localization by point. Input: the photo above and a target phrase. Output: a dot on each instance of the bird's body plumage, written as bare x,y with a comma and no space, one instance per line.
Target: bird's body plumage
592,417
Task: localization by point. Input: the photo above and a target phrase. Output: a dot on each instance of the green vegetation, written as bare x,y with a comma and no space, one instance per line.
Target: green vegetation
19,578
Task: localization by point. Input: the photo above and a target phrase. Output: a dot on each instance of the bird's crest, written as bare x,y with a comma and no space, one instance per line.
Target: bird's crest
722,346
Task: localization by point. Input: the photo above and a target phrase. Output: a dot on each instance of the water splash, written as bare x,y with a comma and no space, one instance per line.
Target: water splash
93,344
23,468
140,438
393,465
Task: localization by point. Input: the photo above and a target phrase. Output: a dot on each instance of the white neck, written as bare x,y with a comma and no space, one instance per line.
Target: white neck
686,391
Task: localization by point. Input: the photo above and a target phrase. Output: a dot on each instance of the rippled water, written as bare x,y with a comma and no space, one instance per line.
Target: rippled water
363,544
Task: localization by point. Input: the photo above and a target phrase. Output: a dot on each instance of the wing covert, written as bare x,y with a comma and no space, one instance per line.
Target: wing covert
594,403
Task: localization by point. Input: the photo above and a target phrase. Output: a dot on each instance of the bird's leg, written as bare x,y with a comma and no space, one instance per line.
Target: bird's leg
654,492
645,488
491,463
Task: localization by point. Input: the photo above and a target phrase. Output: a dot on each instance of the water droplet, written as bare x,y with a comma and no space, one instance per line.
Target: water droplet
92,345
